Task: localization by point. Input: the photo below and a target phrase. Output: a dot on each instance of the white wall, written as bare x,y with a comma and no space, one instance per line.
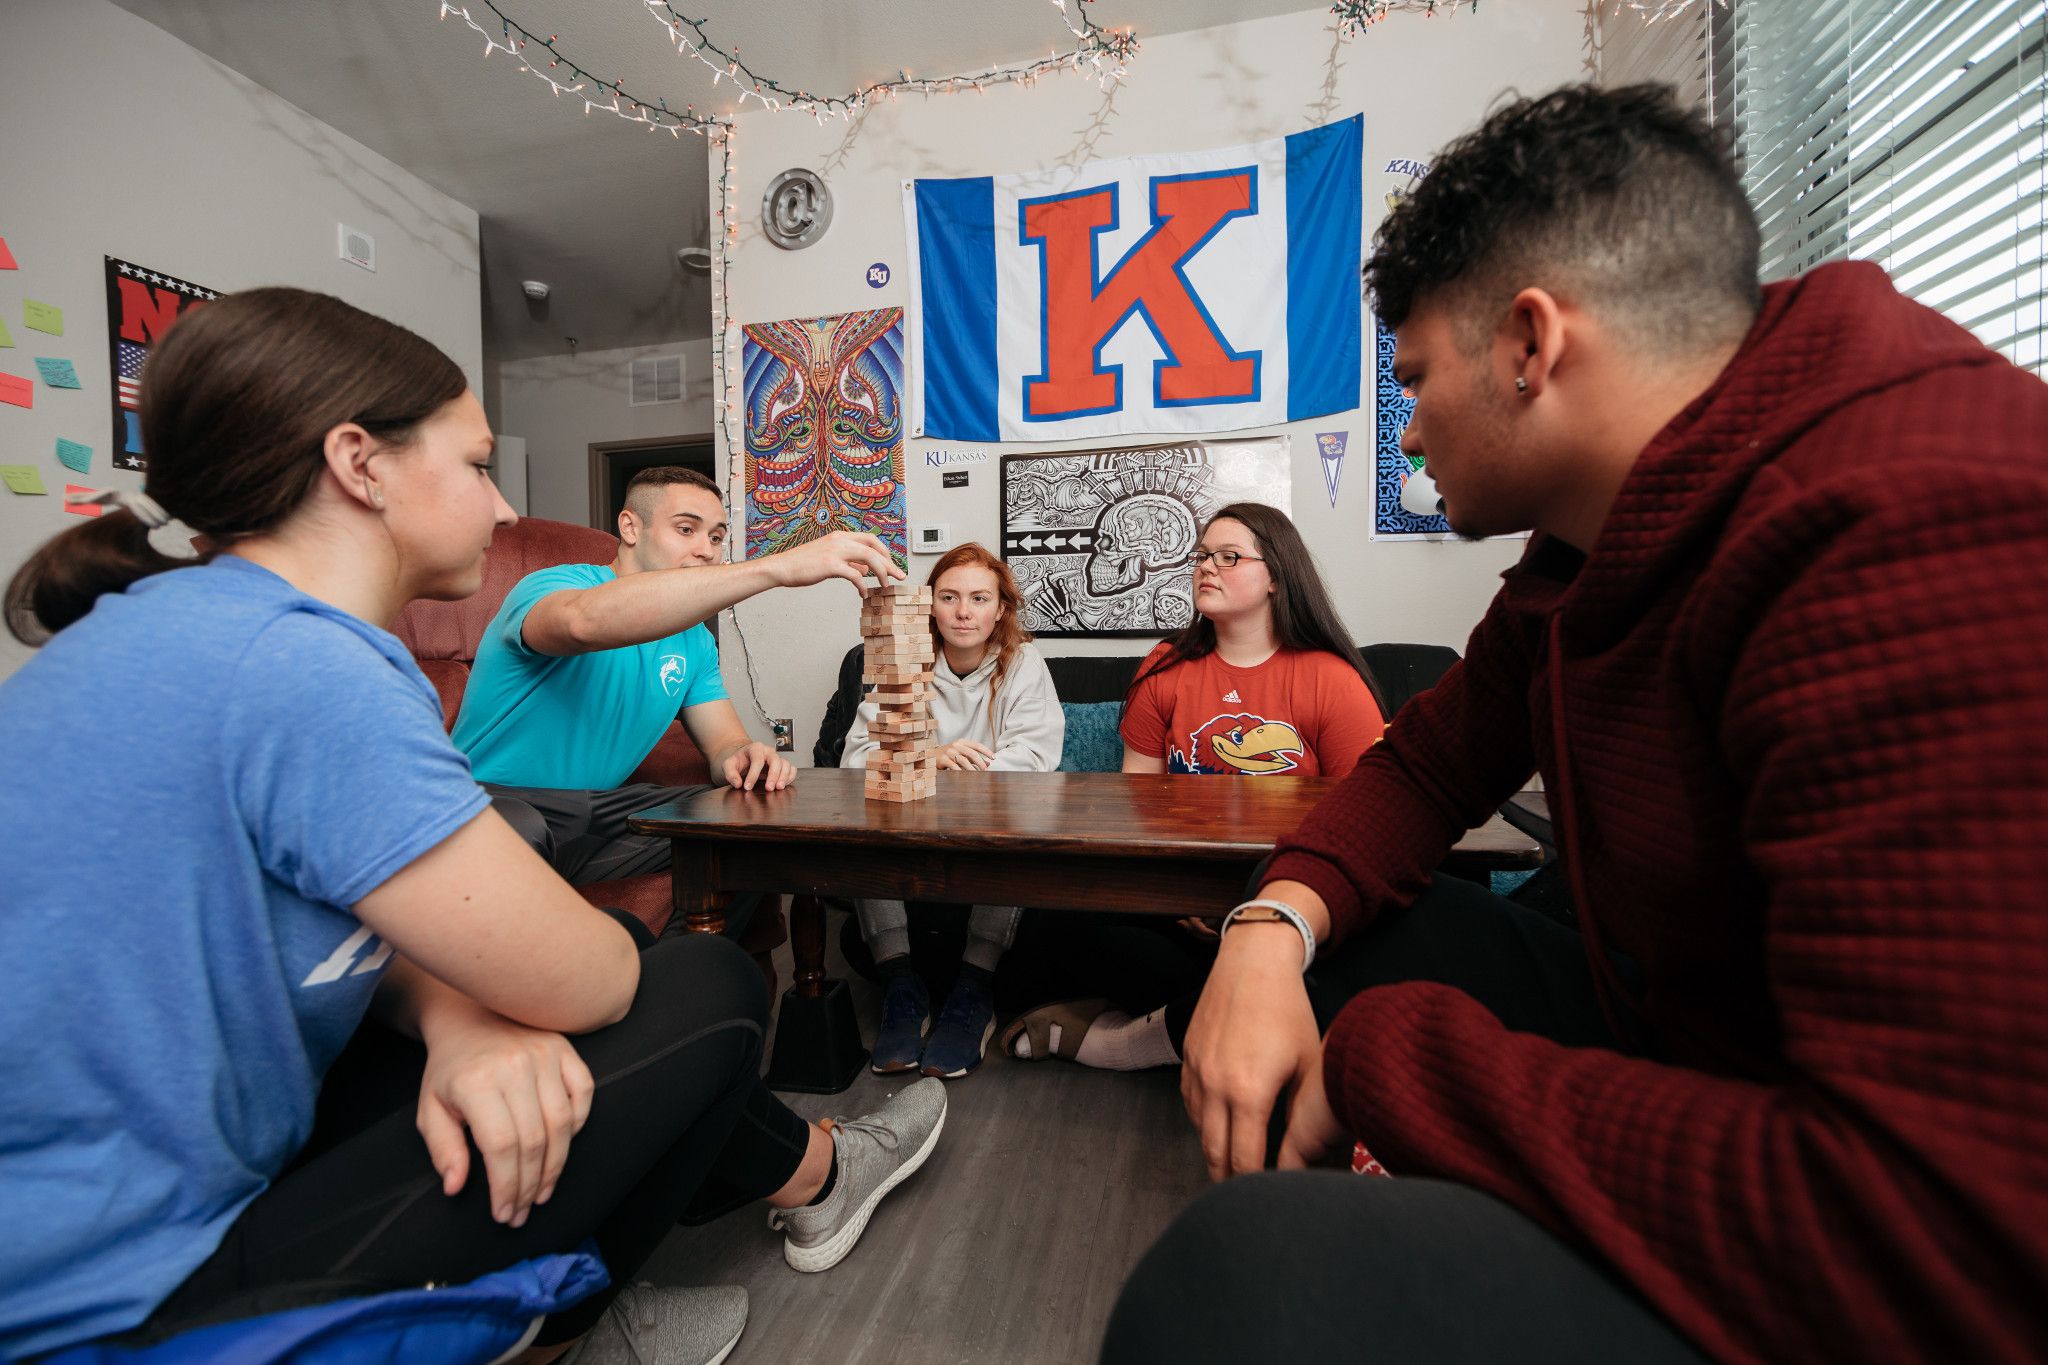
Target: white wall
563,404
122,141
1419,82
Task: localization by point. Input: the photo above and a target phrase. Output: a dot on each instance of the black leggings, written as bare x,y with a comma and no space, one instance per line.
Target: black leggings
1330,1266
680,1129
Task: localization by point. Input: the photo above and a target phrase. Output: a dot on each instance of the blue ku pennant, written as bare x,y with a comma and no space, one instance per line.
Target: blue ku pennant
1207,291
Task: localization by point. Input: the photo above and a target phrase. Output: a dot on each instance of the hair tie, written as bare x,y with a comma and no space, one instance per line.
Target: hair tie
146,509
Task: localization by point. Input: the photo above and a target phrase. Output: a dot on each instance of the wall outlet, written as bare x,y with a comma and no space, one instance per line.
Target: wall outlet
785,734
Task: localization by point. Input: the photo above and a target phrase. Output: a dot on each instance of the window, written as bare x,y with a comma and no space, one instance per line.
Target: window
1912,133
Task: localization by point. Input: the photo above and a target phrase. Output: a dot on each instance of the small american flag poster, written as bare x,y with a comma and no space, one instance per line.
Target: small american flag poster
141,306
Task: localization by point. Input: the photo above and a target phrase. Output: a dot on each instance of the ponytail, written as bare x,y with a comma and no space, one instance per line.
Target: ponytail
62,580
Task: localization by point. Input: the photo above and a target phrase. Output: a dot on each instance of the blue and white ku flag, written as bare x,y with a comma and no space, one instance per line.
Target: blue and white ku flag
1208,291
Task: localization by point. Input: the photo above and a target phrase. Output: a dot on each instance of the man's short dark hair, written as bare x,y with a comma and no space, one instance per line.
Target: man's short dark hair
1621,198
661,476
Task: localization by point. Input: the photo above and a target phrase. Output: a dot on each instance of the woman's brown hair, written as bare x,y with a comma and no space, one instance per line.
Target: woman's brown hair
237,401
1009,632
1303,615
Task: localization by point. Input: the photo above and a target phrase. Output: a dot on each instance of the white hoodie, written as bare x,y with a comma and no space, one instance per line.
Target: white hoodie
1029,727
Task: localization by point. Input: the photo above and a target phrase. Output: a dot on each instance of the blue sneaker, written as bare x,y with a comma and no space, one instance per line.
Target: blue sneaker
899,1042
961,1036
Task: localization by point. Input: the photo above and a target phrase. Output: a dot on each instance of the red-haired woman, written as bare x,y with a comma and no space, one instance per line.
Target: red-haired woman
996,710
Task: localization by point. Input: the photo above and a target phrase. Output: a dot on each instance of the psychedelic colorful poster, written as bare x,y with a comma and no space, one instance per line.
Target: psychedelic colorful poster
1099,540
824,429
141,306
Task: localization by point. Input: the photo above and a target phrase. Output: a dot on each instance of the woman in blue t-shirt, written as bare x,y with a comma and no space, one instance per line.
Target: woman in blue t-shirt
235,828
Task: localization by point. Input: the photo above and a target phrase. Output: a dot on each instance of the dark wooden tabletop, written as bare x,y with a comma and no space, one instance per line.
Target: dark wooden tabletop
1124,815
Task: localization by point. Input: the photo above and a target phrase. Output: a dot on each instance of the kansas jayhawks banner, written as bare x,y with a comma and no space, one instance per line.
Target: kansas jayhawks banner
1209,291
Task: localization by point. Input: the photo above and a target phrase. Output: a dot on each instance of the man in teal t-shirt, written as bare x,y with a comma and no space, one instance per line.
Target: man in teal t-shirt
584,666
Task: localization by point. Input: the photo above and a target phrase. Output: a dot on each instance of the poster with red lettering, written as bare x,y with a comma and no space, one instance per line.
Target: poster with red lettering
141,306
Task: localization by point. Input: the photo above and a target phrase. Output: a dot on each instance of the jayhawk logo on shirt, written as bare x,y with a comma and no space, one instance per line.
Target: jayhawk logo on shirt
674,669
1243,744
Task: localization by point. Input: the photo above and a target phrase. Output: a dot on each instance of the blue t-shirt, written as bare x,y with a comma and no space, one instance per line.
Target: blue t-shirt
582,722
201,778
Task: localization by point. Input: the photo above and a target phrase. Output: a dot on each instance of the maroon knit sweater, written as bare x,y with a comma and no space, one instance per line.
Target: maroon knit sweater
1792,715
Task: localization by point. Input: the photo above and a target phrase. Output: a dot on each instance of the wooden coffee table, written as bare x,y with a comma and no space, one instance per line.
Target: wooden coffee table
1137,842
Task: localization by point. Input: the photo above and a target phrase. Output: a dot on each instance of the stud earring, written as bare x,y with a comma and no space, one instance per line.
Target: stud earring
1521,384
376,497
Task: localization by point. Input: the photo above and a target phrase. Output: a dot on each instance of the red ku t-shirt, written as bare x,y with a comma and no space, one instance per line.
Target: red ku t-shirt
1301,713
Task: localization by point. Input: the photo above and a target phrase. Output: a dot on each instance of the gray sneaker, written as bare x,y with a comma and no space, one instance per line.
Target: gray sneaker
876,1153
644,1325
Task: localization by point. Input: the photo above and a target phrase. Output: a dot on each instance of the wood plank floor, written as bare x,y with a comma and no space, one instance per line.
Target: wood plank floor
1048,1184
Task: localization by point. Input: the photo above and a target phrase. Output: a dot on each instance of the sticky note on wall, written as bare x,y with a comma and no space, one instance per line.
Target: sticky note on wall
58,374
81,509
16,390
6,256
73,456
42,317
22,478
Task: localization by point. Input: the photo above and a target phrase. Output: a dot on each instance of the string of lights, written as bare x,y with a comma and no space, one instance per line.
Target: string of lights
1356,16
1105,51
513,39
719,146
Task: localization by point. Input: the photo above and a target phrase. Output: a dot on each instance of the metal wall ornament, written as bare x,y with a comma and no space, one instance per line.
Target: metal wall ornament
796,210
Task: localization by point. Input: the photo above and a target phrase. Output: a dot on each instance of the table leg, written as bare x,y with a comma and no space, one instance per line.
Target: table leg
818,1046
699,901
807,943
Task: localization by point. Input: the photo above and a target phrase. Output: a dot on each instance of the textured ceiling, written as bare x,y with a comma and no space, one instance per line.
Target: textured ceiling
594,206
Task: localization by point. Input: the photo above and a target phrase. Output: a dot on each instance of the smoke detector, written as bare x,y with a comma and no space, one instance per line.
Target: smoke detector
534,289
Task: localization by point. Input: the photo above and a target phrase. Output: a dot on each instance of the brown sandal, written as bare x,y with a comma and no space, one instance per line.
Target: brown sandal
1055,1030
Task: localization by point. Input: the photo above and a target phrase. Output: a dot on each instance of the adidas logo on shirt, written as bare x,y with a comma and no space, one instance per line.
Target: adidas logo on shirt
1232,697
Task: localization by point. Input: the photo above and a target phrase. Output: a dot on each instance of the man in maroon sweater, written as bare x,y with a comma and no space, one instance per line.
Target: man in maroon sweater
1779,650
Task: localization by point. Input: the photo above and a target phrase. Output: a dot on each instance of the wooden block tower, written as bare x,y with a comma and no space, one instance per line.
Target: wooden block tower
896,635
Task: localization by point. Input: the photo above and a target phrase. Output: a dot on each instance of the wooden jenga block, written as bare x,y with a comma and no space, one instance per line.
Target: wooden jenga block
896,743
918,646
907,692
892,675
895,624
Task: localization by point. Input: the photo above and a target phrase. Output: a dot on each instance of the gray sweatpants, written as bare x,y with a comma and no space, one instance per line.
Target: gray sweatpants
990,930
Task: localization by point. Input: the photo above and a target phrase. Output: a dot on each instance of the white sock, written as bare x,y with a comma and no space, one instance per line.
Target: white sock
1117,1042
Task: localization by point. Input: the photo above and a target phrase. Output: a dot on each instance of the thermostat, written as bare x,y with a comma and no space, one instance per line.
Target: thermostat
930,540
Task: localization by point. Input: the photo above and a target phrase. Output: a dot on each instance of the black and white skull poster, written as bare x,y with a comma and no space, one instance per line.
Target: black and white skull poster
1099,541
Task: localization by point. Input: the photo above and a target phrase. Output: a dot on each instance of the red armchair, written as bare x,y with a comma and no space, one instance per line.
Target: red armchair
443,638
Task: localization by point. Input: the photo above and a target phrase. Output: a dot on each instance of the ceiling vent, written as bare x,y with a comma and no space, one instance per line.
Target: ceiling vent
358,247
657,379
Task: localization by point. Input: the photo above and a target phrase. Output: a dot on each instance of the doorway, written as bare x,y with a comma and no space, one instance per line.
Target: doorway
614,463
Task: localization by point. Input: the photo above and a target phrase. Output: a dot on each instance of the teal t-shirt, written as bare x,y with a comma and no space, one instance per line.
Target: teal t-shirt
580,723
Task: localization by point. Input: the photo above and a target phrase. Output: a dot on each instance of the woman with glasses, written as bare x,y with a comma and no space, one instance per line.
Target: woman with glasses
1264,682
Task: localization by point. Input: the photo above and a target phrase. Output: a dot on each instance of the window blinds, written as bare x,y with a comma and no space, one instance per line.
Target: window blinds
1910,133
1913,133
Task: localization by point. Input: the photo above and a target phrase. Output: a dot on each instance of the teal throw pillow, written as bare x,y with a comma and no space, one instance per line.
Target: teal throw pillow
1093,744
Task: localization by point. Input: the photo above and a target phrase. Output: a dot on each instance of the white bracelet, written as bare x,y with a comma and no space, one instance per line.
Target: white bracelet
1288,913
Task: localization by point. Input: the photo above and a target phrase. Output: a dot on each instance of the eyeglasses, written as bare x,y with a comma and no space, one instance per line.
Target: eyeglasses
1225,559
